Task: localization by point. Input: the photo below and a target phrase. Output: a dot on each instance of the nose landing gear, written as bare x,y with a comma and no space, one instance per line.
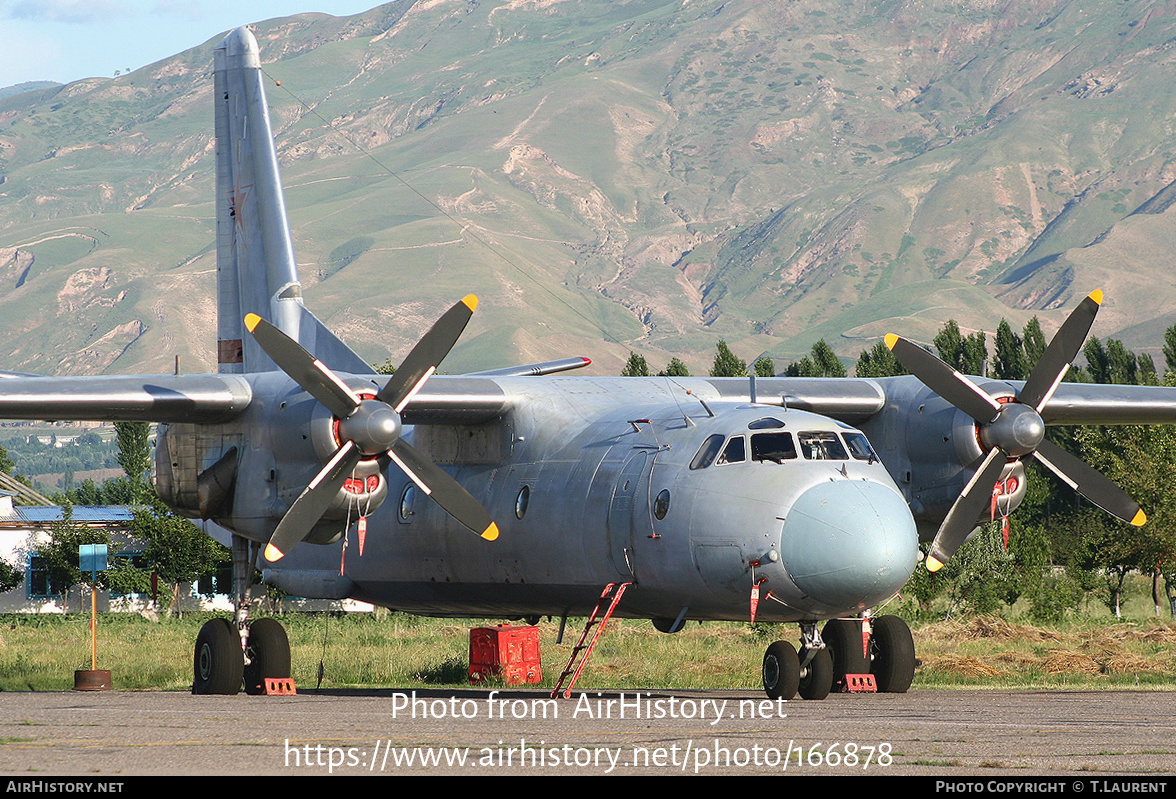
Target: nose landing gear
882,647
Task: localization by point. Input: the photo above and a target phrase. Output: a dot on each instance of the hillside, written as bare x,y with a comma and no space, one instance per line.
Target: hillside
639,174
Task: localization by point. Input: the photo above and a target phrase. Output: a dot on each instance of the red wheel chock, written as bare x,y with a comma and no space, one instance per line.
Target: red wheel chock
280,686
860,684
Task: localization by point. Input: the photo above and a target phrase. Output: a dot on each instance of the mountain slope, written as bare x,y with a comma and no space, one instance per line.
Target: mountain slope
647,175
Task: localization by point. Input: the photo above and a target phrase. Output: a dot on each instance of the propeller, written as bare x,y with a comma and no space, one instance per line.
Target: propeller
370,427
1013,429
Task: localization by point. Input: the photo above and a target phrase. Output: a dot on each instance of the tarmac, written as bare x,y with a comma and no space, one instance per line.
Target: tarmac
103,737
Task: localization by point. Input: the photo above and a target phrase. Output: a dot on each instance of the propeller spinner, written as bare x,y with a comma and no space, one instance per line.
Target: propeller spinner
369,427
1013,429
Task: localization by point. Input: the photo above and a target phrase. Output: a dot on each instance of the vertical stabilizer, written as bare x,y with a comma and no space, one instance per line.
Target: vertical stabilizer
256,270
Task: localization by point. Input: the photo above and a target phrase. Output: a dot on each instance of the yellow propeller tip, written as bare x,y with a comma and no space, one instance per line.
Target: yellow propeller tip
471,302
251,321
932,564
1139,519
272,553
1096,295
891,340
491,532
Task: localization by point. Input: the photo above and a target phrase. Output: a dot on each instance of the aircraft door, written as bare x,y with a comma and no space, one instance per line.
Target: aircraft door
623,508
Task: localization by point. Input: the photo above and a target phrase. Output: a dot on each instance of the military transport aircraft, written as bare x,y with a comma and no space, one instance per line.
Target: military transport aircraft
525,492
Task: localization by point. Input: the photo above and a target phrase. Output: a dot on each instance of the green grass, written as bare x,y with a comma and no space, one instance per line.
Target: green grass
393,650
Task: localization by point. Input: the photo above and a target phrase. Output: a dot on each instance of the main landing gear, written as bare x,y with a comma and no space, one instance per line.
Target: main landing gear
236,654
885,649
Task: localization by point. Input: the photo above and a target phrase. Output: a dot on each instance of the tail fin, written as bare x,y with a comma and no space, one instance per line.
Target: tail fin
256,270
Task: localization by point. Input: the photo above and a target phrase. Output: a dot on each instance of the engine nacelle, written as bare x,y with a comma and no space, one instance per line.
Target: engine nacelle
195,469
931,449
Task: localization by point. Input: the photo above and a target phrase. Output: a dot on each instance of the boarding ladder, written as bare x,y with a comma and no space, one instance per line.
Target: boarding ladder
611,595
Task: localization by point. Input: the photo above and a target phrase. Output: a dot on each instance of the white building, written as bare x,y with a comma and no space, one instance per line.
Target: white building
23,528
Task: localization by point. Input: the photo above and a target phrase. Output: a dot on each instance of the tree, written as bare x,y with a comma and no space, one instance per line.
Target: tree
878,361
177,550
963,353
950,344
88,493
820,362
1145,373
1124,366
636,366
1140,460
726,364
6,463
981,577
60,555
134,455
10,576
675,368
802,368
1170,349
764,367
1033,342
1114,363
1008,363
826,361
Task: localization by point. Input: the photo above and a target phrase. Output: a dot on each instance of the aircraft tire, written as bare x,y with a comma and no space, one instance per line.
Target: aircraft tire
818,680
218,666
892,654
781,672
269,654
844,638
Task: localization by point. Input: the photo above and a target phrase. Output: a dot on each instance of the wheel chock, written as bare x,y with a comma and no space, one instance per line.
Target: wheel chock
860,684
280,686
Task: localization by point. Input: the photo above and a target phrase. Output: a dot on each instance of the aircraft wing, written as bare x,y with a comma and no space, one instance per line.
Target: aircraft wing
1086,403
212,398
143,398
854,400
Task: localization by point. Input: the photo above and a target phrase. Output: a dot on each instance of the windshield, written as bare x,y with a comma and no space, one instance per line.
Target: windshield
822,446
859,447
775,447
707,452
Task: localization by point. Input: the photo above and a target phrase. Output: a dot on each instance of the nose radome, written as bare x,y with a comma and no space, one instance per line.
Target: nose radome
849,544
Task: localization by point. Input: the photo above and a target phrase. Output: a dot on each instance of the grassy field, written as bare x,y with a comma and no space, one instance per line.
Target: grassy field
393,650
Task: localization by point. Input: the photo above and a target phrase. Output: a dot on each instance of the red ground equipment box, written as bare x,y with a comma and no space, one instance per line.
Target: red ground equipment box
506,651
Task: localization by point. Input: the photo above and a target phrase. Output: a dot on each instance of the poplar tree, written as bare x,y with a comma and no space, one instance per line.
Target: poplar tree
636,366
726,364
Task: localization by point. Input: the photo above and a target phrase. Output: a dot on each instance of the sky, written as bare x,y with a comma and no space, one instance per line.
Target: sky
66,40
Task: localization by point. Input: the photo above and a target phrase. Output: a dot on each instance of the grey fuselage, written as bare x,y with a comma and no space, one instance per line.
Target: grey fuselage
571,470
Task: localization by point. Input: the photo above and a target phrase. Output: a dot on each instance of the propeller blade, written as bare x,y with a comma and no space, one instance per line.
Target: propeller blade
427,354
961,519
306,370
944,380
447,492
312,502
1090,483
1061,352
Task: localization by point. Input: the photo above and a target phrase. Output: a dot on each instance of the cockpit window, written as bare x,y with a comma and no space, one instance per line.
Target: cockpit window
734,452
859,447
775,447
822,446
766,423
707,452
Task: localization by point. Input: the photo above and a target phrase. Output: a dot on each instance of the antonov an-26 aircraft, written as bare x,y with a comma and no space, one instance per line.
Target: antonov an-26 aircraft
523,492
